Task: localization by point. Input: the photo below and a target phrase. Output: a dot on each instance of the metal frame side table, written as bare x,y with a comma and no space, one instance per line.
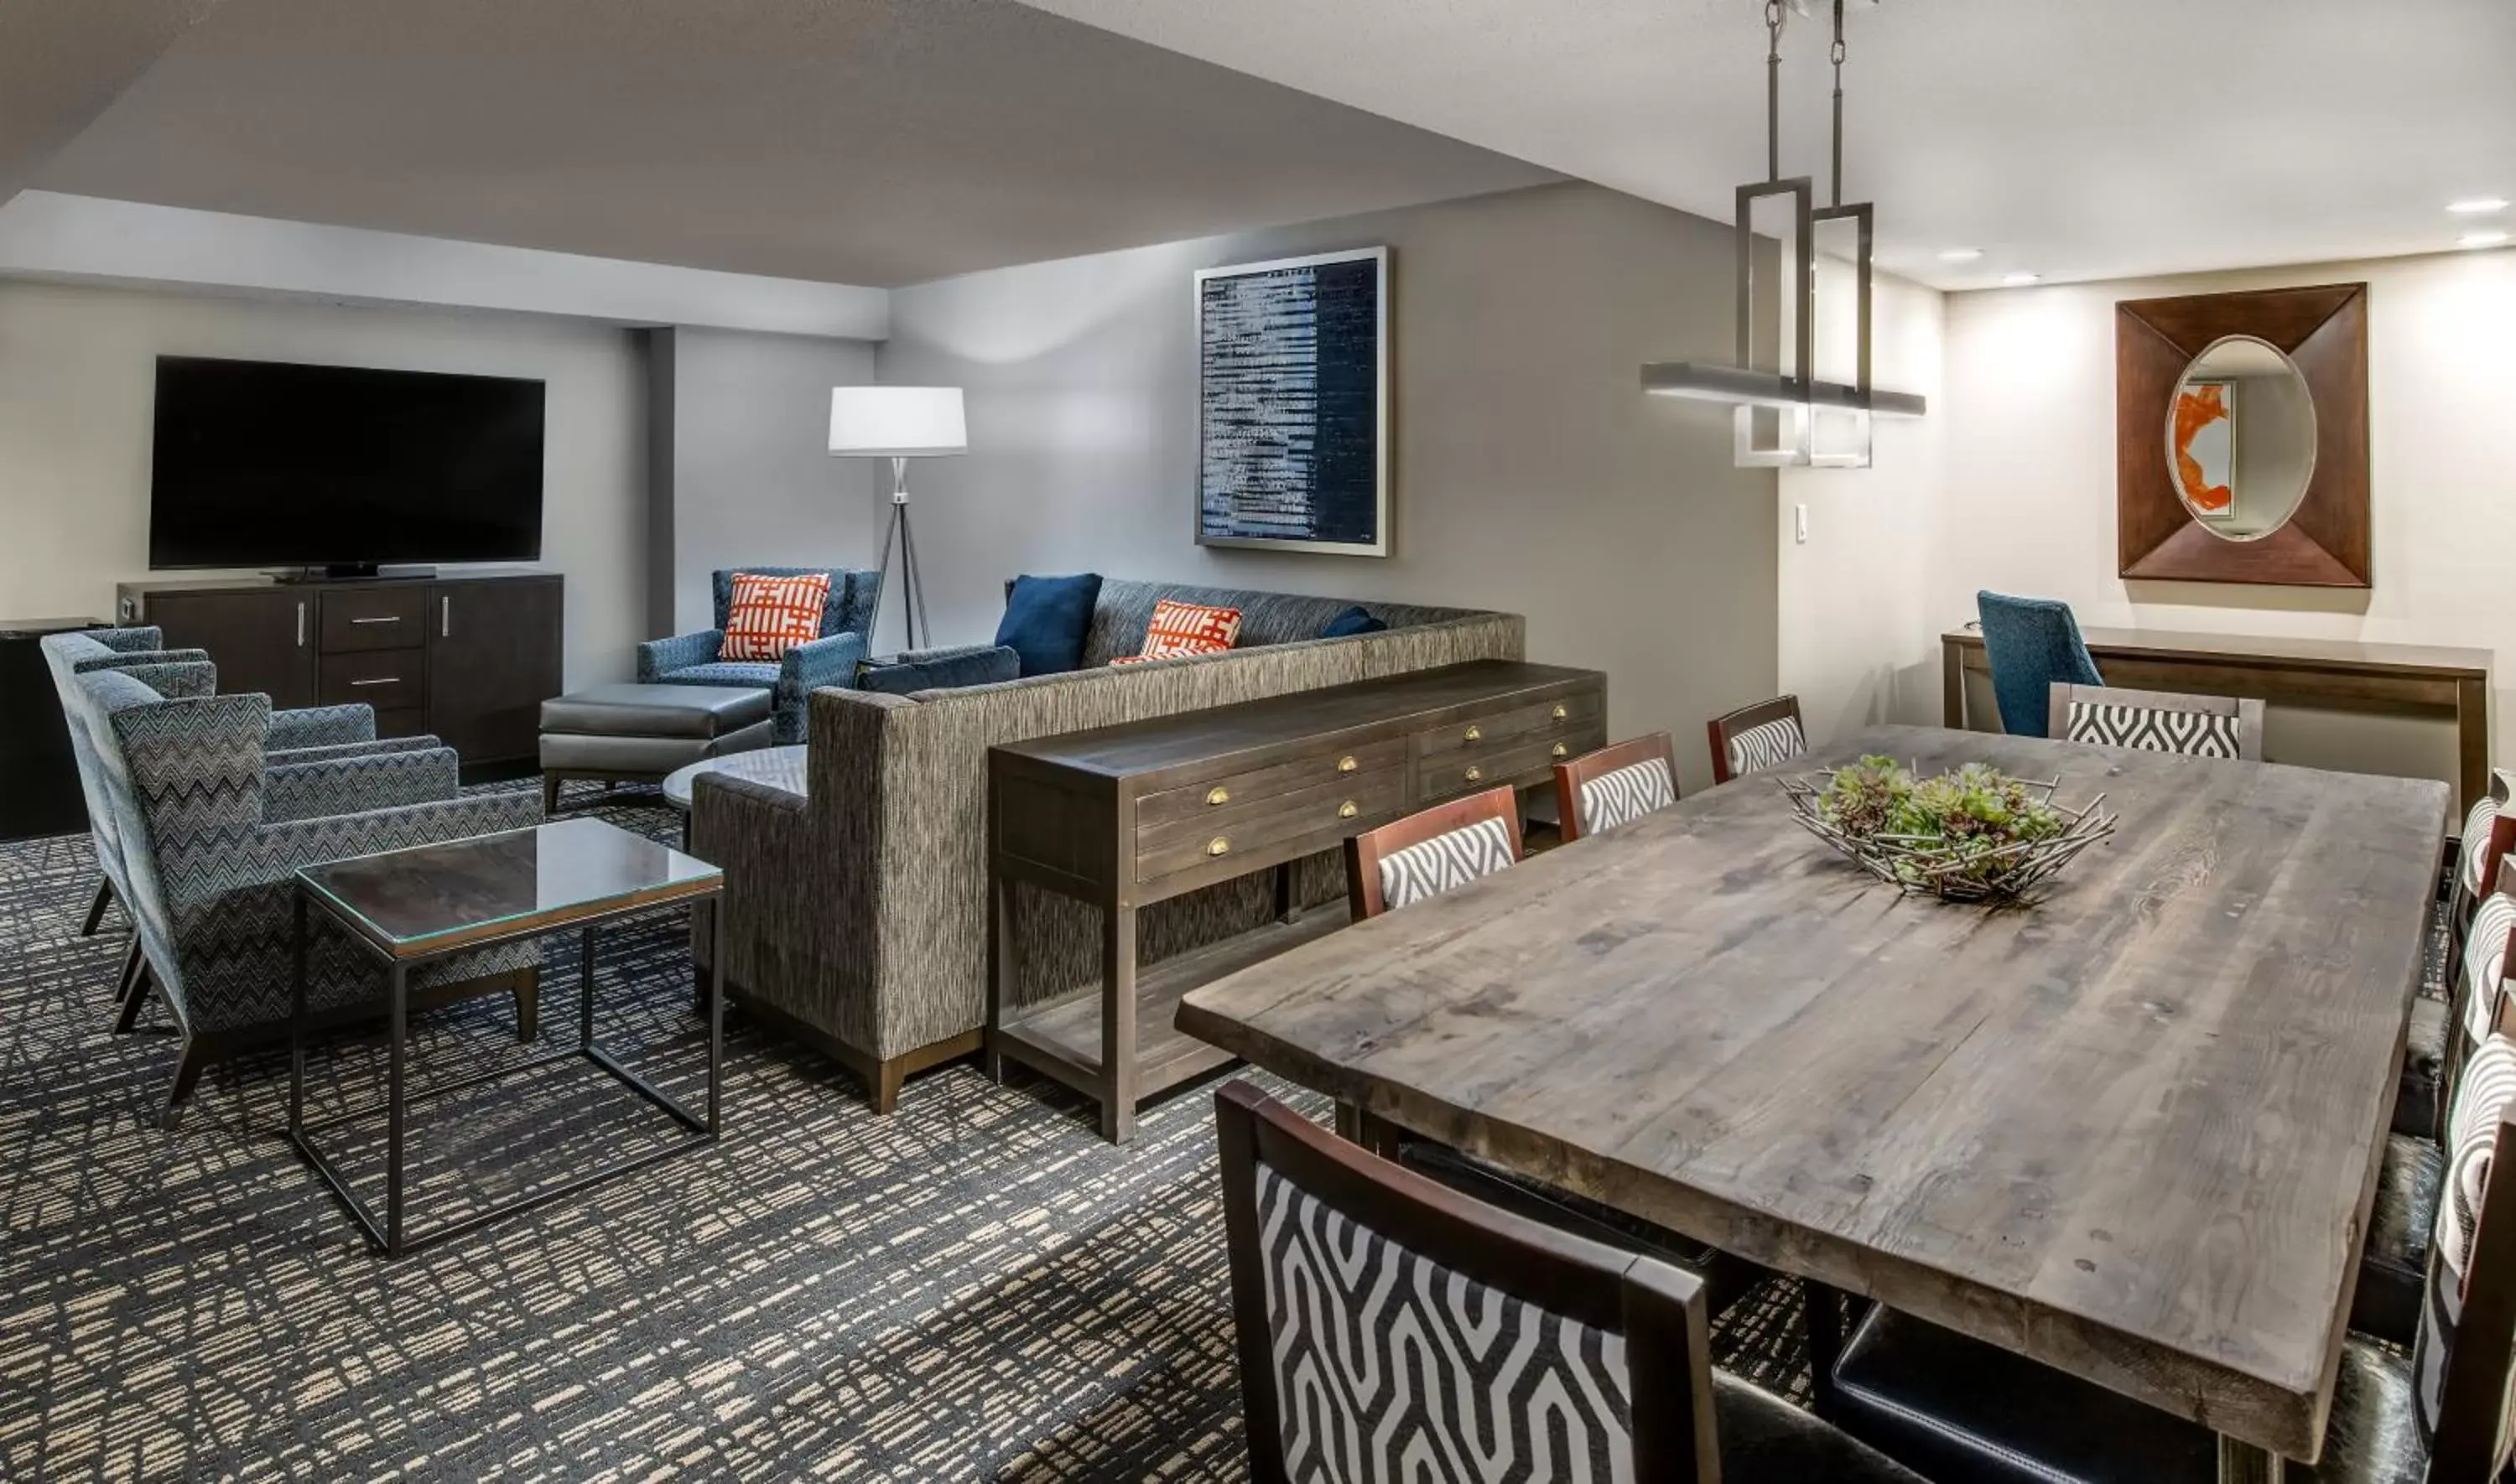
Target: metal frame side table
407,907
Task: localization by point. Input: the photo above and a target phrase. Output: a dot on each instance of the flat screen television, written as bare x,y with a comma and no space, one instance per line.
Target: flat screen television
272,464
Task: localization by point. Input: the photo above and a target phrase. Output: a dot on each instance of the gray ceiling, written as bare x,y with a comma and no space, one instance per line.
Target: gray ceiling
876,142
63,62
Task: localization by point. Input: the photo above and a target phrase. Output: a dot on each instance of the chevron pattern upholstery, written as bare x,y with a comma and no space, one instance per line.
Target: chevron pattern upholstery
2194,733
1443,863
1767,746
1392,1367
1627,795
210,864
2485,963
2482,1097
2478,822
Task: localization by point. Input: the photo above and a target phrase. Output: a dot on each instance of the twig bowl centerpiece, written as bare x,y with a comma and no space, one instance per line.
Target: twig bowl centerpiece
1968,836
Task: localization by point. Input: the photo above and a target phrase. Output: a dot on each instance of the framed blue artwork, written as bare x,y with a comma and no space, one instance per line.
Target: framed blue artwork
1292,404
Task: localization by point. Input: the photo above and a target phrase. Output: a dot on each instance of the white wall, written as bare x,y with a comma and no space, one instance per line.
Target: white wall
1531,474
77,379
2028,505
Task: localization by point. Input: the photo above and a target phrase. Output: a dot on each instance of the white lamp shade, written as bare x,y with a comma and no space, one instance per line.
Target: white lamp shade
897,422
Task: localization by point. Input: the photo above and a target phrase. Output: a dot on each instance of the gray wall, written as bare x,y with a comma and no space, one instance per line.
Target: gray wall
1531,473
742,470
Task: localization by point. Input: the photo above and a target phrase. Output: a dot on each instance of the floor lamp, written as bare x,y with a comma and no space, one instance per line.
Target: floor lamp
900,423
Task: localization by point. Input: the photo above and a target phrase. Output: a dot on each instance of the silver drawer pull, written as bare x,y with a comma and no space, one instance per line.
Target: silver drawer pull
397,618
1217,796
1476,734
1559,714
1348,810
391,679
1218,845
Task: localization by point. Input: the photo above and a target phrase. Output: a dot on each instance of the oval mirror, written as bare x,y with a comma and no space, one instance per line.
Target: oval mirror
2241,439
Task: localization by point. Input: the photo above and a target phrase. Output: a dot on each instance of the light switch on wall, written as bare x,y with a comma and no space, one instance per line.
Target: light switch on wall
1799,525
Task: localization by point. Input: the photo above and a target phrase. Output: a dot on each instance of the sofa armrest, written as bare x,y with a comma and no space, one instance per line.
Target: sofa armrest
322,725
807,668
337,785
942,668
659,657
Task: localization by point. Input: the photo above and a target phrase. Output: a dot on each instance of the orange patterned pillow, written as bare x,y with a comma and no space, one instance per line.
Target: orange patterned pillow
771,615
1182,628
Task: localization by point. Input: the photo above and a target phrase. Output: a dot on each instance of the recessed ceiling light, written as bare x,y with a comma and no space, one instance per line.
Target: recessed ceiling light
2020,280
1961,254
2482,240
2477,206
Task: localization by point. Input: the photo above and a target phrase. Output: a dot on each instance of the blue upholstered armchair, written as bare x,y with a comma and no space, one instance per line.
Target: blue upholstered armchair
212,832
698,659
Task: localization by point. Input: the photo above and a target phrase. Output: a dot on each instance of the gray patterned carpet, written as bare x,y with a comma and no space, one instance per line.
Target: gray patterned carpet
974,1288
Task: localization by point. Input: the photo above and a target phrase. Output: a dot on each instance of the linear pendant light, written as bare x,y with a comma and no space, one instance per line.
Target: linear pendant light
1779,410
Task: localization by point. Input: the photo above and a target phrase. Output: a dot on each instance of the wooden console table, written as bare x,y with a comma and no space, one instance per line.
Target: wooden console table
1125,816
2403,679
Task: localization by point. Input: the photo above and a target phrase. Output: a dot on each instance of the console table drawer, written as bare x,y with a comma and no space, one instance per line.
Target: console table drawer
1460,771
1343,806
384,679
1236,792
1571,715
382,618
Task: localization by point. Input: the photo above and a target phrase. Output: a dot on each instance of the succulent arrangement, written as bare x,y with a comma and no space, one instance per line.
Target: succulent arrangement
1966,835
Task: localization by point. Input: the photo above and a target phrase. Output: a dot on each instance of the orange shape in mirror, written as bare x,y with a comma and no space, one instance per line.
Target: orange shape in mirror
2196,408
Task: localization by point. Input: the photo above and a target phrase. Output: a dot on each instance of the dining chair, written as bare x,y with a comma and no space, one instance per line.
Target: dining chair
1438,849
2030,642
1754,738
2488,830
1389,1328
1616,785
2156,721
1964,1412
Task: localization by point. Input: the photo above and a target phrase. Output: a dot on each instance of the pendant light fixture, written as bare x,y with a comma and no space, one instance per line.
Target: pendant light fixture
1785,415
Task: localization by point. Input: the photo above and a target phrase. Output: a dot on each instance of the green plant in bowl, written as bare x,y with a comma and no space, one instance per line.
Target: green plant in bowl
1970,817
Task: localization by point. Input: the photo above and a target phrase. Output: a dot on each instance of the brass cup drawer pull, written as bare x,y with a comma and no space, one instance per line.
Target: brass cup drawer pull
1559,749
1218,845
1348,810
1558,714
1476,774
1217,796
1347,764
1476,734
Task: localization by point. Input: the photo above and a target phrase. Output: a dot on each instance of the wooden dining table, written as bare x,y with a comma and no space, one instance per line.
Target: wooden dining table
2130,1129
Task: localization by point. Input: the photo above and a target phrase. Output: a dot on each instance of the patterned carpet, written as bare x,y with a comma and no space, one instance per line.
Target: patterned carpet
974,1288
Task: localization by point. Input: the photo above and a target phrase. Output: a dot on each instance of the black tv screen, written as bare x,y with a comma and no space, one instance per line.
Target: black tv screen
264,463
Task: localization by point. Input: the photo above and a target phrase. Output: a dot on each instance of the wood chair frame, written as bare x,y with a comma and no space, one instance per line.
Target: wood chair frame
2248,710
1720,730
1570,776
1364,852
1659,1309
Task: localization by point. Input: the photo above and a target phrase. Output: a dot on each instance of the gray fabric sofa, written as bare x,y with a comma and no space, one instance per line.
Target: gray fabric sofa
857,918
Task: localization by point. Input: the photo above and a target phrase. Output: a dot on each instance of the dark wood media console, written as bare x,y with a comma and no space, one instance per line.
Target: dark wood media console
468,657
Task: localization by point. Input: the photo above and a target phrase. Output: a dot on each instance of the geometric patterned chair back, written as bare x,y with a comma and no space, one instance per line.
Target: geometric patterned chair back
1755,738
2032,643
1614,785
1438,849
2464,1355
848,609
136,652
1391,1329
2158,722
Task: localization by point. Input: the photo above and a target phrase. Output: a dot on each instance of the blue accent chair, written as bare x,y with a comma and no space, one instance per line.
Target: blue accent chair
212,833
2033,643
698,659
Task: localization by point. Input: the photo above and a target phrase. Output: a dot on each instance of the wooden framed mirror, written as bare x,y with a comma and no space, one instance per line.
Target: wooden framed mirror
2241,436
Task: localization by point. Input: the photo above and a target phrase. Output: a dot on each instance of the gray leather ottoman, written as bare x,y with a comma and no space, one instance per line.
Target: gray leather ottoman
639,733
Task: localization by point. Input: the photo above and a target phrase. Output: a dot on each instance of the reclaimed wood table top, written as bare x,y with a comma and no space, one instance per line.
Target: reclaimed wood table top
2131,1130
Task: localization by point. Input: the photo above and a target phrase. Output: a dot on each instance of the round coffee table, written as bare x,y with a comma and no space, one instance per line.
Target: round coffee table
779,767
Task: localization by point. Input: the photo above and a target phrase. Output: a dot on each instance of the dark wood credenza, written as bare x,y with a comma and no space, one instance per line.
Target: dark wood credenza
469,658
1125,816
2415,680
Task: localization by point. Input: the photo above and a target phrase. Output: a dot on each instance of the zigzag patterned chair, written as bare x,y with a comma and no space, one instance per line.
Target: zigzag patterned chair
211,836
2156,721
1425,855
1616,785
2488,833
1755,738
1392,1329
698,659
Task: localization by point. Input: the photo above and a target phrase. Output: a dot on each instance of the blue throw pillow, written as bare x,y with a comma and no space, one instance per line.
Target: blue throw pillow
1046,619
1355,620
942,670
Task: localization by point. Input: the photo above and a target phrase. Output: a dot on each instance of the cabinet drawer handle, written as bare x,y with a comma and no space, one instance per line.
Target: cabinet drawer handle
1347,764
1476,734
1559,749
300,626
1218,845
1217,796
394,619
1348,810
1476,774
1558,714
391,679
446,617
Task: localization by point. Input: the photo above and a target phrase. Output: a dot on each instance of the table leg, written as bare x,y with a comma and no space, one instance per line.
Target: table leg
1118,1023
397,1036
296,1026
585,990
2245,1464
716,1008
